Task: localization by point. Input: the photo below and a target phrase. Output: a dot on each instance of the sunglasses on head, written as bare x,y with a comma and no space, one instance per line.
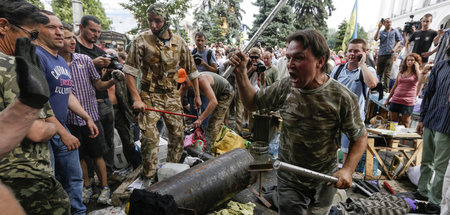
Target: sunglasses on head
33,35
254,57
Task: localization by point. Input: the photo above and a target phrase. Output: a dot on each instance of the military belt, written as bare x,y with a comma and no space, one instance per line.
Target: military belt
146,88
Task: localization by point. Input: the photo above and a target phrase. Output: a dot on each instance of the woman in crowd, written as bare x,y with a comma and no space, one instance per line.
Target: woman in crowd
405,90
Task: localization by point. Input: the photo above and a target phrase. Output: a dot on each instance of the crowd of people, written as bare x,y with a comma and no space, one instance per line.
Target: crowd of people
63,95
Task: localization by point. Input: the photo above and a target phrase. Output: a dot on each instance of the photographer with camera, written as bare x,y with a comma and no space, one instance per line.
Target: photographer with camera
90,30
422,38
256,68
389,41
204,58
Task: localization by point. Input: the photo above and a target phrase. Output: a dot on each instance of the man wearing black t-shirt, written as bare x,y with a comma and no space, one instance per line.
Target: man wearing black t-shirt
422,39
90,30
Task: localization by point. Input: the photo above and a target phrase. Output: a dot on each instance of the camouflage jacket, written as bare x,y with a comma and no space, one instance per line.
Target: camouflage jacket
313,121
159,62
28,159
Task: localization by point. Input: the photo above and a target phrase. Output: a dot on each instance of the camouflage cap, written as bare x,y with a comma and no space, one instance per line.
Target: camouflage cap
160,9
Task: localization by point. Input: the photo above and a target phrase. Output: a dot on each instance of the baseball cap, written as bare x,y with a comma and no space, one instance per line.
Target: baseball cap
181,75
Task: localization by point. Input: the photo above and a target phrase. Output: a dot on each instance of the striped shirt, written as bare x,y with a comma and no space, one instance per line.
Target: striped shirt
443,45
435,108
83,73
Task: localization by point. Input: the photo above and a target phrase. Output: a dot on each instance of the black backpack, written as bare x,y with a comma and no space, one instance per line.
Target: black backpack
361,79
208,55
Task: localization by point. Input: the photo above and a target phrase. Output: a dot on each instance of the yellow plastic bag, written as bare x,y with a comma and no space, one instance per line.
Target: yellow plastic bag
228,140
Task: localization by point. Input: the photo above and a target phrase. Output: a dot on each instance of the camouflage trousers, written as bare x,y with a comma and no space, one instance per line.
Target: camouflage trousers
216,119
150,135
43,196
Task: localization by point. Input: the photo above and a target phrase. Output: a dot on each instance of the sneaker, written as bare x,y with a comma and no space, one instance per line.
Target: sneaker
86,195
427,208
105,196
419,196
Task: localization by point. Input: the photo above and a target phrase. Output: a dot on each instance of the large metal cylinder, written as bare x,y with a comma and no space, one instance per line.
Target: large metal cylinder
210,183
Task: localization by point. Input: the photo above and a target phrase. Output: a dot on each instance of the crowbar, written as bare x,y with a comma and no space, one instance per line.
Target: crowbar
279,165
163,111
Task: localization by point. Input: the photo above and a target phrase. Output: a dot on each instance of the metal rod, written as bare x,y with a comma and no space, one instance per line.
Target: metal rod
279,165
258,33
163,111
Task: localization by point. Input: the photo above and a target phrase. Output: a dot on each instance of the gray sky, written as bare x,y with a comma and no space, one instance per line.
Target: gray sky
368,11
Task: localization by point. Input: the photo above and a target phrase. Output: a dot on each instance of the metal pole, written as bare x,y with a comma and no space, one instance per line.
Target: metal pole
258,33
279,165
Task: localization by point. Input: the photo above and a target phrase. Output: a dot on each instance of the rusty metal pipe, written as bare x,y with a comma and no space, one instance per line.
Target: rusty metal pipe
210,183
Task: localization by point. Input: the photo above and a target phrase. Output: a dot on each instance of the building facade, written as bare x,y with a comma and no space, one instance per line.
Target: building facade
400,11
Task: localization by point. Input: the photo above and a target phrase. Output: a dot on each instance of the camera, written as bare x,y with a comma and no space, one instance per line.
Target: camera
260,67
114,62
410,24
382,21
197,59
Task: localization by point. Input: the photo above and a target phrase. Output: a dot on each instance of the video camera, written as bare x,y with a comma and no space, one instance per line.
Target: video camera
410,24
197,59
260,67
114,62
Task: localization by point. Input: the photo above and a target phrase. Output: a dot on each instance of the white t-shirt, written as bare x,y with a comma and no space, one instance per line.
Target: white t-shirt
395,68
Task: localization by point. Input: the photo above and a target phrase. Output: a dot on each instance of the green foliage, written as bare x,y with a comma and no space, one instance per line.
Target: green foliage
37,3
362,33
340,35
220,21
331,37
312,14
280,27
177,9
63,9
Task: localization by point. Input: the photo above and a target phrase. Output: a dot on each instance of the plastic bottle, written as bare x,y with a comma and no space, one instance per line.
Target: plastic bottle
274,145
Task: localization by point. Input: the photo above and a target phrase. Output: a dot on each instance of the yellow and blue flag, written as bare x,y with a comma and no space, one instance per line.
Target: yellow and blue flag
352,28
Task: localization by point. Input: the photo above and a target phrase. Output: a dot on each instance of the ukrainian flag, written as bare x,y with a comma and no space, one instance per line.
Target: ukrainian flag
352,28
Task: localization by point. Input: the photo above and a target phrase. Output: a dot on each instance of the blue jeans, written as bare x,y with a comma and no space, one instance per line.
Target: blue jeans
205,103
68,172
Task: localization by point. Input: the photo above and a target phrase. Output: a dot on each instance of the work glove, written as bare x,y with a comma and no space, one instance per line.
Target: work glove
33,86
117,75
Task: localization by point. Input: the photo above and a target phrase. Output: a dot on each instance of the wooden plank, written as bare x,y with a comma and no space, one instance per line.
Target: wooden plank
369,158
385,132
380,161
121,193
381,177
410,160
394,143
384,148
406,155
419,147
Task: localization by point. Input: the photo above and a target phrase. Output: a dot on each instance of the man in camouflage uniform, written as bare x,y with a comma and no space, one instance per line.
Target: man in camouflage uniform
27,169
315,110
157,54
